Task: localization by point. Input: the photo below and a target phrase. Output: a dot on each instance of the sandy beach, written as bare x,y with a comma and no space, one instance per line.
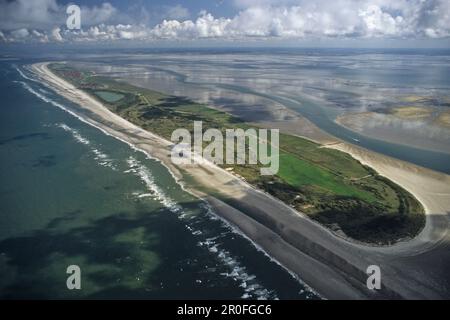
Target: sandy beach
334,267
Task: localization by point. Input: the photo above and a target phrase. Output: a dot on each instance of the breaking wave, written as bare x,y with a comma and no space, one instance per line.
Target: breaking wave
101,158
252,288
23,75
48,100
146,176
308,291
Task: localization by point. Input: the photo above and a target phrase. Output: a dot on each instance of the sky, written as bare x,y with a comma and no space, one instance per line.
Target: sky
417,23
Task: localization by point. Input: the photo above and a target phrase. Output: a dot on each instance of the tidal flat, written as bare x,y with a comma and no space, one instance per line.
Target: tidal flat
292,89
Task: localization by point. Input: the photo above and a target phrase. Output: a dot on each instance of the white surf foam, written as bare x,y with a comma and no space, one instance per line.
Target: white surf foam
145,175
252,288
310,292
101,158
52,102
22,74
75,134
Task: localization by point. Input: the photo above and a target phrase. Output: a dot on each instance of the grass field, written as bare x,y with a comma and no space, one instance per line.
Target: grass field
328,185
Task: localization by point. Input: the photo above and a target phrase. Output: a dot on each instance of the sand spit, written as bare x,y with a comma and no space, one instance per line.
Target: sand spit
332,266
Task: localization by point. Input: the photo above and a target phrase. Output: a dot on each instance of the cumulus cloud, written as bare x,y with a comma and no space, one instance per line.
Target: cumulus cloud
377,22
56,34
20,33
255,19
320,18
206,26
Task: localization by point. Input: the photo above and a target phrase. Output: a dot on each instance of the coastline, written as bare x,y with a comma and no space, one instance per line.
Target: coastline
318,250
430,188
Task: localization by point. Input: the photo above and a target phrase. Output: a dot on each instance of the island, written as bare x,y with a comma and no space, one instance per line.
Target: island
332,211
328,185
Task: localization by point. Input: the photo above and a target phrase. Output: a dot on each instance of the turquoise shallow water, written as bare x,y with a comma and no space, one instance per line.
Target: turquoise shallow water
70,194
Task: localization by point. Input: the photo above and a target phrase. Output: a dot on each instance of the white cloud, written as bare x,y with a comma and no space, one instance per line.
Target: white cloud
206,26
256,19
378,22
20,33
320,18
56,35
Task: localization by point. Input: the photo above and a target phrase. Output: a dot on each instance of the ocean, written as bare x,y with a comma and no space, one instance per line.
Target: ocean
72,195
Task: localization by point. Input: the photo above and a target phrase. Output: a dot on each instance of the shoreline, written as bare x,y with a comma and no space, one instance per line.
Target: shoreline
430,188
302,259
